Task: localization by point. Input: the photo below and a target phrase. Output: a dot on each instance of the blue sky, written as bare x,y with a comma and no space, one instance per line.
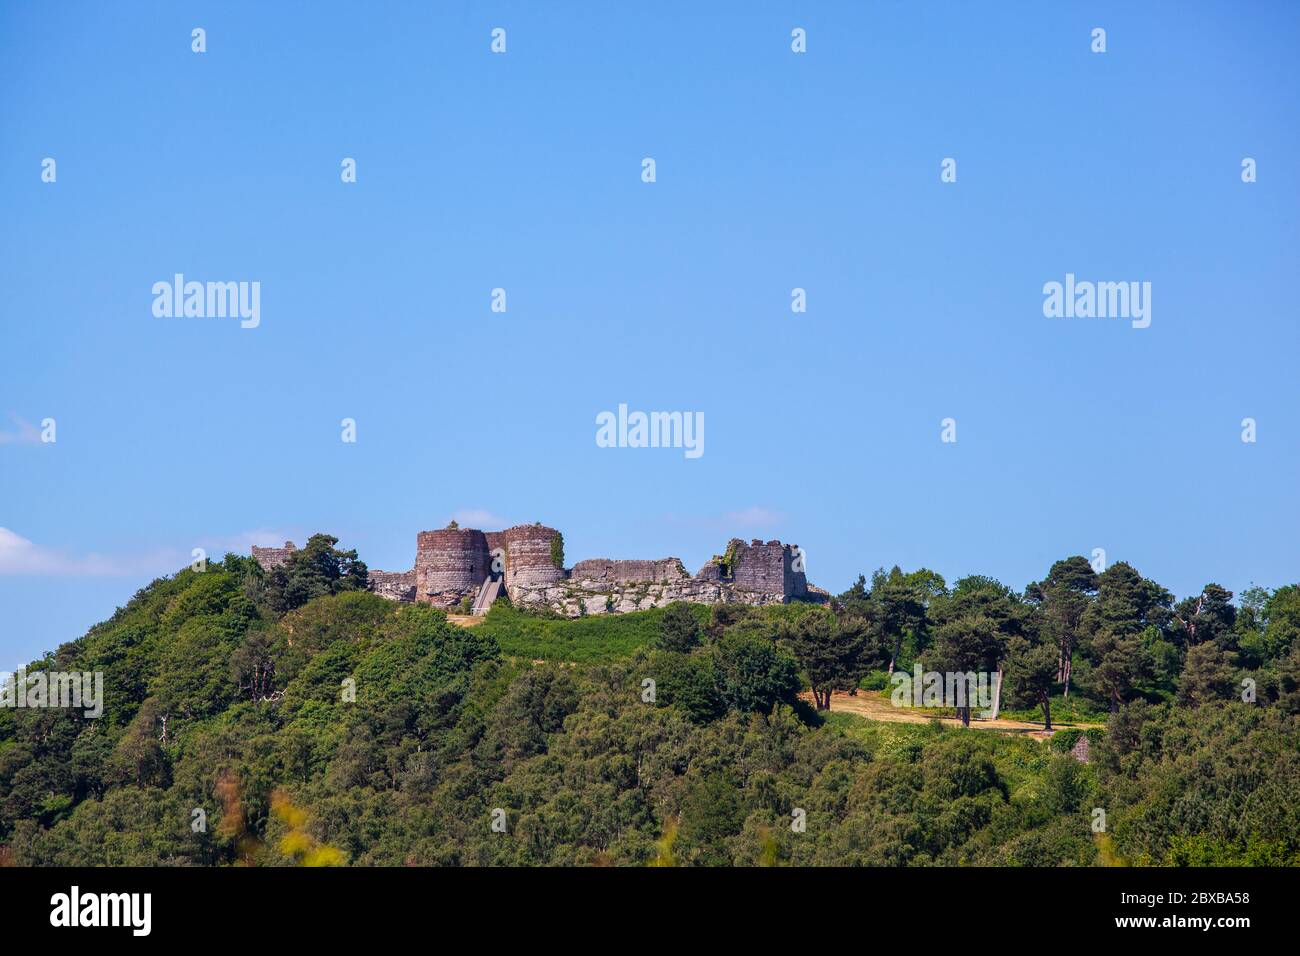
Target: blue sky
522,171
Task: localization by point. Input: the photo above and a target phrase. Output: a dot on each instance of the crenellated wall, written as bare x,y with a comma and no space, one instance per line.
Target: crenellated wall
758,566
451,565
756,573
767,567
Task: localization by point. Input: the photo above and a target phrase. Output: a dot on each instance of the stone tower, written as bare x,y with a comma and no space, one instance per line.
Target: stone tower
450,565
531,557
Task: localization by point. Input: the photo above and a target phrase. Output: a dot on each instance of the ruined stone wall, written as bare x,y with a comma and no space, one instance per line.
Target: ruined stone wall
604,570
528,556
450,564
270,558
394,585
766,567
759,566
796,582
712,571
576,598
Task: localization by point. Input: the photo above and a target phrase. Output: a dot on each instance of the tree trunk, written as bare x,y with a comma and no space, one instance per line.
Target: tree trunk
898,646
1047,712
1067,676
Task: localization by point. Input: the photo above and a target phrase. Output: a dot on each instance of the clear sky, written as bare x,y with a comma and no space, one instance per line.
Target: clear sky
522,171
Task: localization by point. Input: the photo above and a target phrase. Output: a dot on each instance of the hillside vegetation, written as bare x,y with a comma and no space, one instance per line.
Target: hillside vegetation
294,718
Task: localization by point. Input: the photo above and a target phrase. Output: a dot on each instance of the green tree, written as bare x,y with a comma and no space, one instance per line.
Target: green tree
754,674
971,643
712,812
1126,602
1281,620
1208,617
679,630
1207,675
857,594
898,604
1124,629
138,758
315,570
1122,664
1066,785
1063,598
982,615
688,681
252,666
831,648
1288,684
1031,674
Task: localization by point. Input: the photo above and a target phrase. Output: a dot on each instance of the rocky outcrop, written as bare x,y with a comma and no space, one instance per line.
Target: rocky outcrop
394,585
580,598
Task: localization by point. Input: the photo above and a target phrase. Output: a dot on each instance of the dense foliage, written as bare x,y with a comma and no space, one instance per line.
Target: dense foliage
303,720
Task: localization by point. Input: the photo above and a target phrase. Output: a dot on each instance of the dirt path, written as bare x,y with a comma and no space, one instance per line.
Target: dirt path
465,620
874,707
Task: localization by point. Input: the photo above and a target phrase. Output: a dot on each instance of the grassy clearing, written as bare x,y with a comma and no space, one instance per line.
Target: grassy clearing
1020,760
1075,710
582,640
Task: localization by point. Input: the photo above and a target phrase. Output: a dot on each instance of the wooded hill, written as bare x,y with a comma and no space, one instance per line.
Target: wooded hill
292,717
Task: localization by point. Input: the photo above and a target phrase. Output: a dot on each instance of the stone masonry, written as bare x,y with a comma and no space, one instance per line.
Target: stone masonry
394,585
270,558
603,570
452,564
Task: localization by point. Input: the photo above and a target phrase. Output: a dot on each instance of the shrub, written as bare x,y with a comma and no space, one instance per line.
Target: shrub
680,630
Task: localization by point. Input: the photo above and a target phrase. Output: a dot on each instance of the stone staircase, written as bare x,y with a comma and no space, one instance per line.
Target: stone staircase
488,593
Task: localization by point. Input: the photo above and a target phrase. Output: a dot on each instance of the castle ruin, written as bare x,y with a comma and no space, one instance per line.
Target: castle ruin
269,558
466,567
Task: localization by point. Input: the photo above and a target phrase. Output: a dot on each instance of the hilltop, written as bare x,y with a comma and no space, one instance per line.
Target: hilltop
302,719
467,569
